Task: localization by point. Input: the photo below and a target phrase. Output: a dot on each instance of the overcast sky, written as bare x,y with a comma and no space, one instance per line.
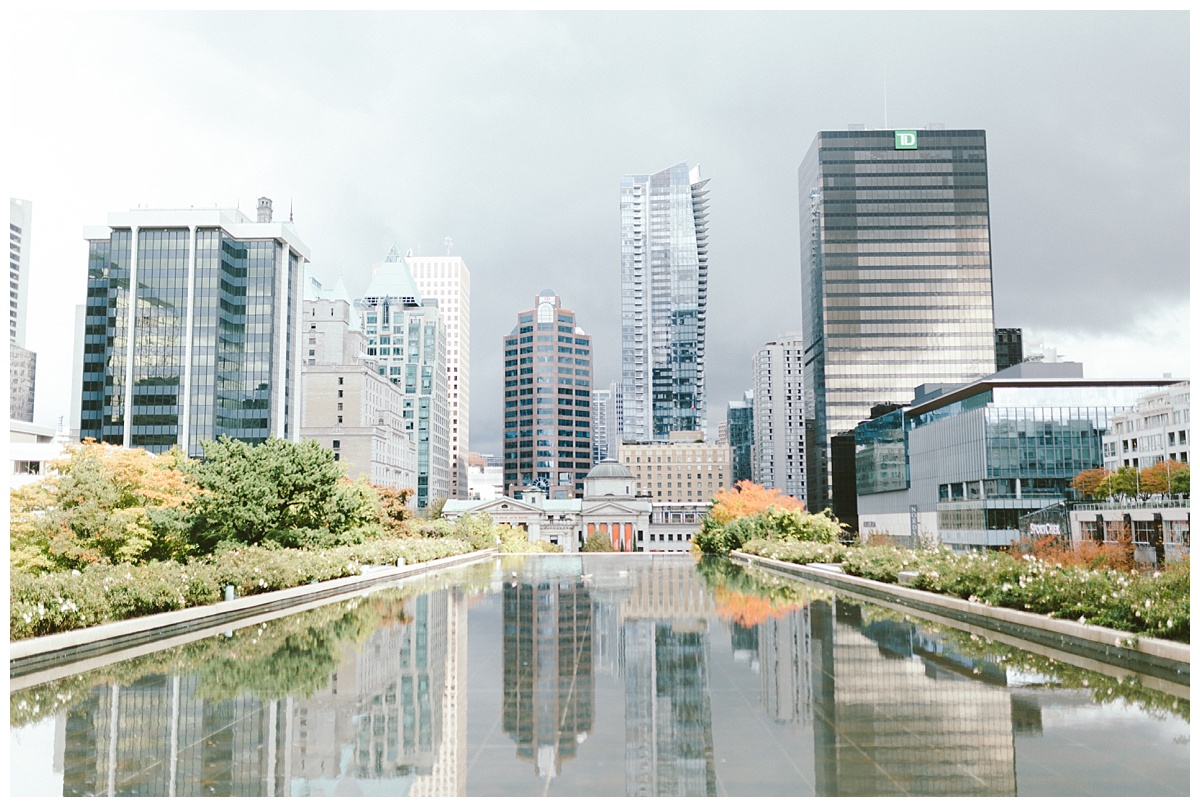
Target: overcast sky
510,132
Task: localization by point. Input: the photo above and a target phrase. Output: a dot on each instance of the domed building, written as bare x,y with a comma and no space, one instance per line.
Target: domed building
609,505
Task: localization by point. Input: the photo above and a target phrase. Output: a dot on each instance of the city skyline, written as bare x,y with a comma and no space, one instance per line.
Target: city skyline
462,111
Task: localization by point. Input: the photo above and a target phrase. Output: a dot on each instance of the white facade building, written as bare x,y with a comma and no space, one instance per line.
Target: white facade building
609,505
20,223
778,458
447,280
1155,430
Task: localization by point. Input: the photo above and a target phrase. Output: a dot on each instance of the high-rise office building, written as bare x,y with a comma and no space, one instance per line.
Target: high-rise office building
779,439
22,361
192,328
896,274
664,300
445,278
406,336
739,419
547,401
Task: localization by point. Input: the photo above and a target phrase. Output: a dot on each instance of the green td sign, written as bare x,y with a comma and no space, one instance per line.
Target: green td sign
906,138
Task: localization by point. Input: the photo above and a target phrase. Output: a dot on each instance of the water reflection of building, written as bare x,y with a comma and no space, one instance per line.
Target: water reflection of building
668,717
157,737
895,713
665,658
785,647
376,728
549,691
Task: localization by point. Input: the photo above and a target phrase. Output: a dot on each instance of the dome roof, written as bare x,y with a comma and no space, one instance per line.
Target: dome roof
609,469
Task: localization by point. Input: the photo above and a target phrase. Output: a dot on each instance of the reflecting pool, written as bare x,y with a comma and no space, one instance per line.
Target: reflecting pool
599,675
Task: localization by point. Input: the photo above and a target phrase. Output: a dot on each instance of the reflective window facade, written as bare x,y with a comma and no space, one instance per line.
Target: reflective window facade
211,345
664,301
740,417
548,417
976,461
896,275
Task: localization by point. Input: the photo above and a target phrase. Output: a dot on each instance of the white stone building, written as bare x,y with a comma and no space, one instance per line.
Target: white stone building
446,279
778,458
1156,429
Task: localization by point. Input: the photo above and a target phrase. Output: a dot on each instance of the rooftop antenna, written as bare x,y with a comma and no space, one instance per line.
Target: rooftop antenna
885,98
449,242
291,211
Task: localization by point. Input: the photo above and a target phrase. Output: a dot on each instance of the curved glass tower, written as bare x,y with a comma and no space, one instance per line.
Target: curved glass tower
664,300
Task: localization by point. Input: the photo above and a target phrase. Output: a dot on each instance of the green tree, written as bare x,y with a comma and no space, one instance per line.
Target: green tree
104,505
1125,480
278,493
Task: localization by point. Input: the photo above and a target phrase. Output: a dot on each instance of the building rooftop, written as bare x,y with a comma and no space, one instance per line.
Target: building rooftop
393,280
609,469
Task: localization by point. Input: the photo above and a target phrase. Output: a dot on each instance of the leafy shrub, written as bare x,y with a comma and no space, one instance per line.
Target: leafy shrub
514,541
718,538
598,542
882,563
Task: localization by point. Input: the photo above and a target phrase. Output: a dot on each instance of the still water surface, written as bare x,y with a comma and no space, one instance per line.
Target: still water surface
599,676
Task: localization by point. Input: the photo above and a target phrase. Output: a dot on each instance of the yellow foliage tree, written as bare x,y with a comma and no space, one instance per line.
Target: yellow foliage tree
105,505
746,498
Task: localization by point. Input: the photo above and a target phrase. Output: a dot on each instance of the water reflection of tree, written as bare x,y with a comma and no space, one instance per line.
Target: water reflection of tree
748,597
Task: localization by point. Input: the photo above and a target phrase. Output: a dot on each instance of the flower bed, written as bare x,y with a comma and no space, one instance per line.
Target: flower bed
43,604
1154,604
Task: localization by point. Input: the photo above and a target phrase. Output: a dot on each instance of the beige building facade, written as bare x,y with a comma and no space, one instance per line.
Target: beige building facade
685,469
348,406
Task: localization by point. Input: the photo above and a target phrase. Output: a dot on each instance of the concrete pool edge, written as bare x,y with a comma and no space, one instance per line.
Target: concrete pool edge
173,627
1159,657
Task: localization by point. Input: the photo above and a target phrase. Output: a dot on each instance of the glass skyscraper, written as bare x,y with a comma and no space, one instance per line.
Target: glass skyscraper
191,328
664,300
406,335
896,274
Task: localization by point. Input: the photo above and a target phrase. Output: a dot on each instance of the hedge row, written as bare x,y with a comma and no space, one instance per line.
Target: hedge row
1147,603
44,604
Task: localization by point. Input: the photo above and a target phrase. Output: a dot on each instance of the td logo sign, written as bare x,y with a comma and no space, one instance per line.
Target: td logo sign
906,138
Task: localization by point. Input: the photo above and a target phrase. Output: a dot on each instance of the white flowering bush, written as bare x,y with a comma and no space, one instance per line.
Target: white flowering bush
795,551
1150,603
43,604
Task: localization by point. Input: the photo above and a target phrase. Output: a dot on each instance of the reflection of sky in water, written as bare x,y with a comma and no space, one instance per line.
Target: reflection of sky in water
608,676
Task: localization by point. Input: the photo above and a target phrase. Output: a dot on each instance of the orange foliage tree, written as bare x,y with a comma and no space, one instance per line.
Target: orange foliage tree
746,499
1092,483
1164,477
